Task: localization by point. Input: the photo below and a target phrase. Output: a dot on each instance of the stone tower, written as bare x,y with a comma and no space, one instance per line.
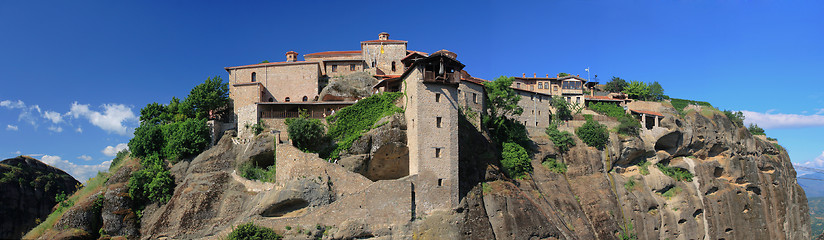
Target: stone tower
383,56
431,88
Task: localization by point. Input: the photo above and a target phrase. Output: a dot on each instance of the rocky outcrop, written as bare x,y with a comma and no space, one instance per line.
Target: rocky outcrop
28,189
381,153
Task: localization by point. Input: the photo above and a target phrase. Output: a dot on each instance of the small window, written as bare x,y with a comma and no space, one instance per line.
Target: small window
393,66
437,152
533,111
254,76
438,122
351,67
334,68
518,85
440,182
532,97
271,99
373,63
474,98
555,88
536,124
286,99
540,86
437,97
305,98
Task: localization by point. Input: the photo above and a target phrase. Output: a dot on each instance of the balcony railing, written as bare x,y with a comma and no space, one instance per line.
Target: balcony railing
431,76
572,91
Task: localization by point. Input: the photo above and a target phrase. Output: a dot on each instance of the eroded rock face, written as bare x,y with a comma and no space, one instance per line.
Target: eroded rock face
381,153
28,193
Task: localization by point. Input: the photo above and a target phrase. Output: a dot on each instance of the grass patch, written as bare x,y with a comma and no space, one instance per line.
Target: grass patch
348,124
251,171
486,188
676,173
672,192
554,166
643,167
629,185
680,104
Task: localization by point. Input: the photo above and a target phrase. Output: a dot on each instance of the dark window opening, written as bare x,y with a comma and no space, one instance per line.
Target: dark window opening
518,85
334,68
437,97
305,98
474,98
536,124
440,182
393,66
271,99
373,63
437,152
254,76
540,86
351,67
438,121
286,99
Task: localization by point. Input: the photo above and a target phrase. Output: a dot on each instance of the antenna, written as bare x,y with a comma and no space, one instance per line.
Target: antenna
587,73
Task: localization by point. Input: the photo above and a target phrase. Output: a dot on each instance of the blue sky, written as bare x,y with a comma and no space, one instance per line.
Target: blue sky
76,74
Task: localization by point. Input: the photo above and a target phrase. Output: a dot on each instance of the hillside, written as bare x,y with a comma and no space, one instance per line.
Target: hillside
28,188
742,188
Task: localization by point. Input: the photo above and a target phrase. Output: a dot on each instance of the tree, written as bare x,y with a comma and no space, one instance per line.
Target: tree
593,134
563,74
147,140
755,129
515,160
152,113
637,90
562,139
210,96
502,98
656,91
562,109
185,139
615,85
737,117
306,134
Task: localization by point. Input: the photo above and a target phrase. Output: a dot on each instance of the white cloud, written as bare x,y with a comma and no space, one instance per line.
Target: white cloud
56,129
11,127
85,157
782,120
112,151
817,162
820,111
111,120
12,105
80,172
55,117
80,130
18,153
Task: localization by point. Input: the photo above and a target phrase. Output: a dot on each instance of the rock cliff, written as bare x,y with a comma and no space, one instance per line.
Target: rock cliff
742,188
28,189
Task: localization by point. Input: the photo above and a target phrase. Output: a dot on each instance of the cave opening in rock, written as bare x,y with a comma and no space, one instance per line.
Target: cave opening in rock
669,142
284,208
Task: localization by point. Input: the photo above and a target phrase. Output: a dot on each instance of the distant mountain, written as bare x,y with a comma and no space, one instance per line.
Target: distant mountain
28,188
813,188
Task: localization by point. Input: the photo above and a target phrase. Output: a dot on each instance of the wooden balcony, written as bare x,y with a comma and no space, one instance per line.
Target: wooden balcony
433,77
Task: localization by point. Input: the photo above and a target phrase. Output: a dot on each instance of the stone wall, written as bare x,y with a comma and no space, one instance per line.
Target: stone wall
392,52
343,67
292,80
536,109
472,96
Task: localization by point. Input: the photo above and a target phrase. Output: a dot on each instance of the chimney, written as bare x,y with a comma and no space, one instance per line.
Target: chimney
524,74
547,75
291,56
383,36
534,75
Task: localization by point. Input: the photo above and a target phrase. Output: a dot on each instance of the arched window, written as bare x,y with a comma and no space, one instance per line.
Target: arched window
286,100
393,66
305,98
254,76
271,99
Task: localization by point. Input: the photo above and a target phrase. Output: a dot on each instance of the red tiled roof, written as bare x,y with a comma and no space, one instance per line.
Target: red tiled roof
269,64
474,80
648,112
388,76
603,98
333,53
418,52
384,41
534,78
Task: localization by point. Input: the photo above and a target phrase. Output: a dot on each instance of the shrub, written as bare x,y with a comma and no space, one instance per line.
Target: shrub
515,160
771,139
118,158
593,134
629,185
676,173
147,140
554,166
347,125
562,109
306,134
250,171
616,84
637,90
185,139
628,232
737,117
152,183
562,139
643,167
755,129
250,231
503,130
628,125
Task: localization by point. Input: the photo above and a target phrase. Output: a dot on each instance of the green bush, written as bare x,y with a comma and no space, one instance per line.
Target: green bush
637,90
676,173
152,183
306,134
250,231
504,130
562,139
185,139
347,124
755,129
593,134
554,166
562,109
515,160
629,185
147,140
249,170
680,104
737,117
643,167
210,96
628,125
616,84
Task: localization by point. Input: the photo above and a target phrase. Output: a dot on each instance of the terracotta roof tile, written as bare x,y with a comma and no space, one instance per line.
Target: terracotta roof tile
270,64
333,53
384,41
648,112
